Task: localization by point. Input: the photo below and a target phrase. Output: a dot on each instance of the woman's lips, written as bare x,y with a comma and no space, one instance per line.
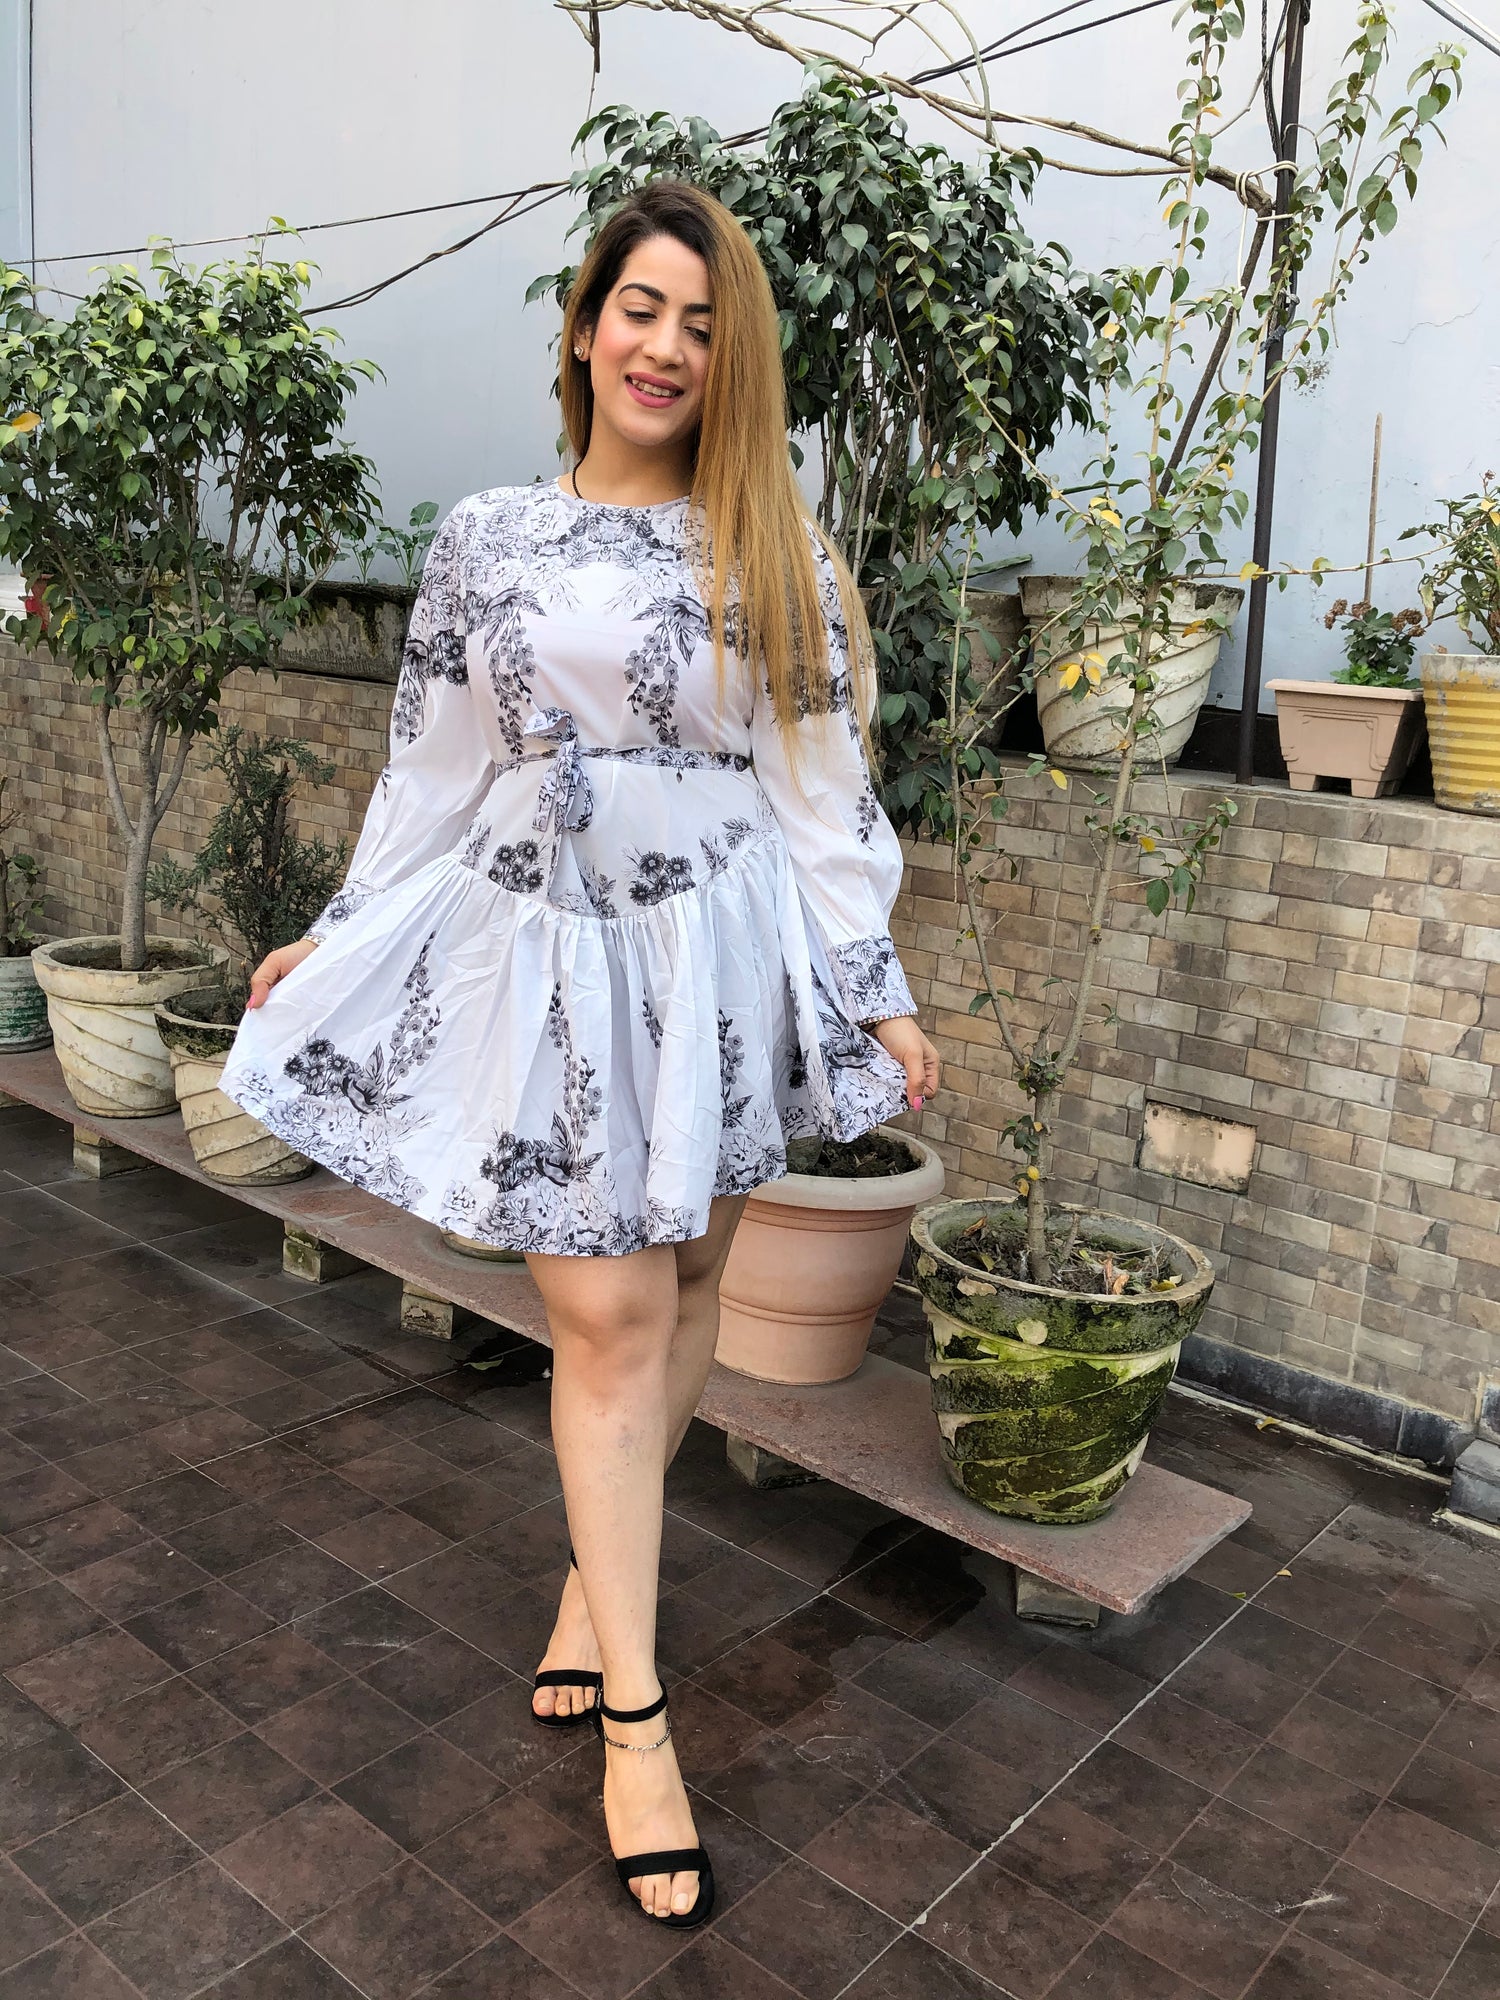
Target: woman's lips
652,395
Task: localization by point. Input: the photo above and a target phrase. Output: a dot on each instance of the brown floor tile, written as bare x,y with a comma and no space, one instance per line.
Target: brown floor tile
123,1586
260,1679
501,1970
1301,1799
288,1971
588,1933
859,1735
960,1791
113,1468
1338,1612
419,1790
784,1795
1238,1690
395,1471
309,1859
262,1471
1380,1927
105,1858
885,1854
1483,1685
1074,1858
336,1732
1468,1731
380,1544
1385,1694
1475,1974
689,1633
1461,1615
1208,1937
157,1730
208,1621
708,1734
65,1542
572,1791
228,1791
47,1782
319,1504
1302,1970
336,1440
176,1501
847,1642
233,1539
1427,1860
807,1931
937,1690
767,1680
398,1933
436,1677
1457,1795
364,1628
18,1572
177,1937
460,1507
43,1620
1206,1749
1419,1648
994,1922
72,1970
500,1733
295,1582
706,1969
1142,1800
1333,1737
1249,1858
28,1922
38,1495
208,1434
508,1857
1036,1743
1096,1693
93,1673
1108,1969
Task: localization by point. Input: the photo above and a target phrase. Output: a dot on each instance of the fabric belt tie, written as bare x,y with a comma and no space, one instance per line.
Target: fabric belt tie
565,798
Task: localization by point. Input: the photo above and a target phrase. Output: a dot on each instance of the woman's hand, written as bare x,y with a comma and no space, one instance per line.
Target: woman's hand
276,965
903,1039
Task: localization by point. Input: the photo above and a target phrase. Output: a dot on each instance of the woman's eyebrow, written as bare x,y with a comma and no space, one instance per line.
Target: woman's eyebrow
651,292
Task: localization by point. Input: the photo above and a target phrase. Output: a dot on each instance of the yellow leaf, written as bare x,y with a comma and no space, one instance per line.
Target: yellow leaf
1197,625
1109,514
1148,845
1068,675
27,420
1097,658
1110,329
1059,780
1251,568
1093,674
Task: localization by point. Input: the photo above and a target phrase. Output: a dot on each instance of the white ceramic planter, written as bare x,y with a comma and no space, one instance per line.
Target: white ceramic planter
227,1142
811,1262
1368,735
103,1020
1083,733
23,1007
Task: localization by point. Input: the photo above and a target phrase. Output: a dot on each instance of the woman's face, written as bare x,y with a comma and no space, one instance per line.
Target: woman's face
648,354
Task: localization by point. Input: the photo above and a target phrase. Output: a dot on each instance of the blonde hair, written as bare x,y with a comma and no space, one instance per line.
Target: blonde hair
761,581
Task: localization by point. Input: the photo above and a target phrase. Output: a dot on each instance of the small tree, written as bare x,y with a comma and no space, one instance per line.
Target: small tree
1462,580
873,384
172,484
266,883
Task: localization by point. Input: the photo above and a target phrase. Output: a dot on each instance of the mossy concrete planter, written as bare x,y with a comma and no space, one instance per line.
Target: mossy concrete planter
23,1007
227,1143
1368,735
1082,733
1461,692
1044,1397
811,1262
103,1020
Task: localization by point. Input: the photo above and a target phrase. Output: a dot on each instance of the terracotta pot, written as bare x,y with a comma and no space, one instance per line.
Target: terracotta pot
227,1143
1082,733
1044,1397
1368,735
810,1265
103,1020
23,1007
1462,695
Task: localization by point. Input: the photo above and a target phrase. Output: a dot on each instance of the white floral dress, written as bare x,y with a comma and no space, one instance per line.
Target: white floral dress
603,948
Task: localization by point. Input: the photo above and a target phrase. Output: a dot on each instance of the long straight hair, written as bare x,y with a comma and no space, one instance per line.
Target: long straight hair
760,577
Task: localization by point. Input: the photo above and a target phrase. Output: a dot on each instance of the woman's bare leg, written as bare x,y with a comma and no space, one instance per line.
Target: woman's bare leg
614,1326
699,1266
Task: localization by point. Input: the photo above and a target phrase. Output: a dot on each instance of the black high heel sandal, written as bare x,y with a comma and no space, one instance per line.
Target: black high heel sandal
667,1860
568,1677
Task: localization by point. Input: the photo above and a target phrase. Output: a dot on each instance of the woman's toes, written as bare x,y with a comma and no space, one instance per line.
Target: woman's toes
544,1702
685,1893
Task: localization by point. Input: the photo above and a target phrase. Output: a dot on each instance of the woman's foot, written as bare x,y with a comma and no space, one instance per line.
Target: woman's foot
646,1810
572,1645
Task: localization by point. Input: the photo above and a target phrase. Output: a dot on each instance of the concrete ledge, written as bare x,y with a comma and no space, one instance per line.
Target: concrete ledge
873,1433
1475,1493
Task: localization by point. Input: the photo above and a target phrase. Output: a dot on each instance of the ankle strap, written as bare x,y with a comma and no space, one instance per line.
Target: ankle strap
633,1714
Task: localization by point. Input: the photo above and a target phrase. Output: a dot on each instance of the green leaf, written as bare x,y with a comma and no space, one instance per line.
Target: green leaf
1158,895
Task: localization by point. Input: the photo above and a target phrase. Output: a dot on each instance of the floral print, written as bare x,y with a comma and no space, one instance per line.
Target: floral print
610,930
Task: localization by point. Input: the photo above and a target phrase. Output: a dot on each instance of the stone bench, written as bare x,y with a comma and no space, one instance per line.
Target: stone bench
873,1433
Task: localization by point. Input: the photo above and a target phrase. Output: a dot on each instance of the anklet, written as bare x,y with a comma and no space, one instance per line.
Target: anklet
640,1748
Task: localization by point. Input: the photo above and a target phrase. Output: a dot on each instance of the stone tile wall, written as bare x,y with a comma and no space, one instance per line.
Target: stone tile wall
1337,986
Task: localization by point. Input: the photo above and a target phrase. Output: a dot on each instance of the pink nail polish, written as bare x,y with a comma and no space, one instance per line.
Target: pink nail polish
917,1103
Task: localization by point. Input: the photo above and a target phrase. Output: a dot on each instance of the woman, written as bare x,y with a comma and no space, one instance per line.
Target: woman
616,925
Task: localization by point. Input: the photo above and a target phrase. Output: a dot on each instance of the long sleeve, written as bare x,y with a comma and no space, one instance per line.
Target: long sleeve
439,767
845,855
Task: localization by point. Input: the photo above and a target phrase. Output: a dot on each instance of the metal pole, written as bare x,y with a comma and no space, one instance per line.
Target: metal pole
1265,472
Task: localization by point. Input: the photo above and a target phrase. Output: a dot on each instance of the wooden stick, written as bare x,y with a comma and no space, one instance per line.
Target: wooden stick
1374,498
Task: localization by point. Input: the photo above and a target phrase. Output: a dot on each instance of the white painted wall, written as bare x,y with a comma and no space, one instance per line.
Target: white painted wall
201,117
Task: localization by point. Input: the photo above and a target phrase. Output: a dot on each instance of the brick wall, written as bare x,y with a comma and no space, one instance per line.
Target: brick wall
1337,986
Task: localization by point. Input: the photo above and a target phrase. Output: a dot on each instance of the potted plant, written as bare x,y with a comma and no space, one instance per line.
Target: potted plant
1055,1327
1364,724
266,886
816,1252
1461,691
172,484
23,1005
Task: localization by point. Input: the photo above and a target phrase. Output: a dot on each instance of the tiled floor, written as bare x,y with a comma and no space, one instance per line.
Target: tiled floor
273,1576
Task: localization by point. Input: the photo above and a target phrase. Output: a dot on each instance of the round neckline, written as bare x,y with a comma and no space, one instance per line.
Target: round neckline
618,506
